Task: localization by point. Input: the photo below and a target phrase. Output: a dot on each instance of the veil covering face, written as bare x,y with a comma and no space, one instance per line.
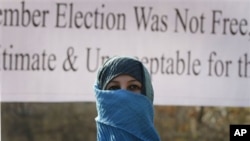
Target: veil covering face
124,115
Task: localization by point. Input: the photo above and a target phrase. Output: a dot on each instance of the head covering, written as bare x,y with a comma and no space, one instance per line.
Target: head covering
123,115
125,65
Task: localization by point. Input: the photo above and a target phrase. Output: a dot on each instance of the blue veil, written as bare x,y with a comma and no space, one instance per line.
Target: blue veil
124,115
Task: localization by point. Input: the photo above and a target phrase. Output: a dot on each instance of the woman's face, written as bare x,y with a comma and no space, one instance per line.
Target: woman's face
125,82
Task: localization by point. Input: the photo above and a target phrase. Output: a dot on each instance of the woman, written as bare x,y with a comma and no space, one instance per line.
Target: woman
124,103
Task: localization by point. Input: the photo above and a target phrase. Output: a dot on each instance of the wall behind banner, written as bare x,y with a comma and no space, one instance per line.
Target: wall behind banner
196,51
75,122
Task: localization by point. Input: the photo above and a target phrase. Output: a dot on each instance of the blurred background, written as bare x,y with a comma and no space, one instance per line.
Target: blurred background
76,122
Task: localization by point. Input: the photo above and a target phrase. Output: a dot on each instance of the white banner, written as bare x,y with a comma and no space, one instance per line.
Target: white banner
198,52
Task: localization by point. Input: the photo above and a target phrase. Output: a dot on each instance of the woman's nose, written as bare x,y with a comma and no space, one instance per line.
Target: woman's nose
124,87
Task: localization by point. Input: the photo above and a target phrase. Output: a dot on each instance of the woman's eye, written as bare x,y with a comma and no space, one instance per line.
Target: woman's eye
134,88
114,88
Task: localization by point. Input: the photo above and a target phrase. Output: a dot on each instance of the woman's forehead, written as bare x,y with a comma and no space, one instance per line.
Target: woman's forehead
123,77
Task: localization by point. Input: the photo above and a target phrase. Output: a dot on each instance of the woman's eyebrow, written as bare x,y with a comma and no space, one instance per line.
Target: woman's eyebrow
133,80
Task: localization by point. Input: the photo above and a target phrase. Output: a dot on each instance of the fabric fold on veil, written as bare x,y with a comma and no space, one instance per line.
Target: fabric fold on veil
124,116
